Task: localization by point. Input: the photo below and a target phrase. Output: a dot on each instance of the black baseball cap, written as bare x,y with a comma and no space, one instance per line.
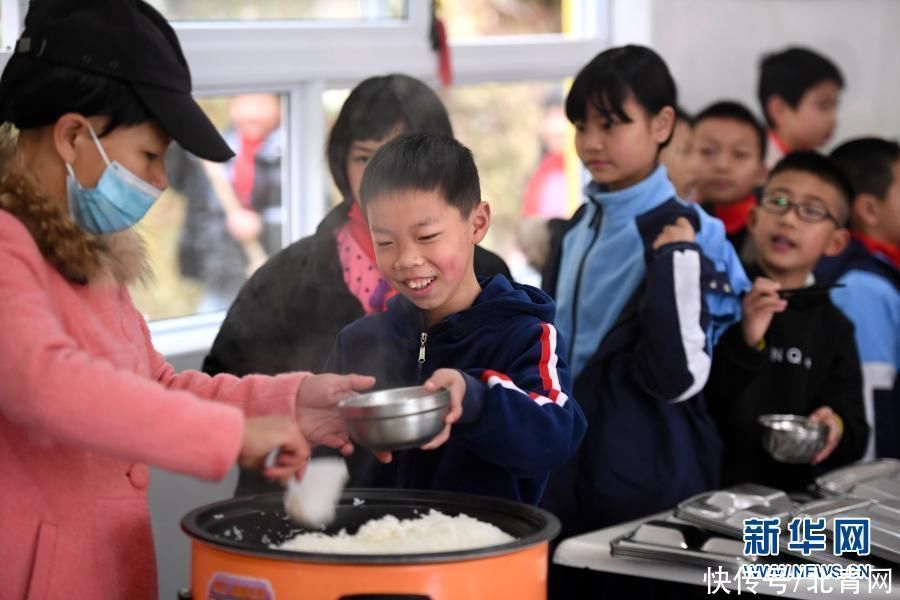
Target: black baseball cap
130,41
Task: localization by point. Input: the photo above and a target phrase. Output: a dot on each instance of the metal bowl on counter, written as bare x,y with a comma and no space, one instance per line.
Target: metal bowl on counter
792,438
395,419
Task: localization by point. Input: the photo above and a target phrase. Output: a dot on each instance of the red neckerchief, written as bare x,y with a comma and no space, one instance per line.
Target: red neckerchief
244,170
889,251
779,143
359,229
736,215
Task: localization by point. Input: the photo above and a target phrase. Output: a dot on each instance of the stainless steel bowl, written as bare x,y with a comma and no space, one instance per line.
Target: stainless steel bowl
792,438
395,419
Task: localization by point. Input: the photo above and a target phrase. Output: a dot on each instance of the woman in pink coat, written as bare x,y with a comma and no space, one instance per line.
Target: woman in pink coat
97,90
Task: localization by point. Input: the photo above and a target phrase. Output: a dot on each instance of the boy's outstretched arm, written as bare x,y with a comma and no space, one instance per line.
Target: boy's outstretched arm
522,417
671,359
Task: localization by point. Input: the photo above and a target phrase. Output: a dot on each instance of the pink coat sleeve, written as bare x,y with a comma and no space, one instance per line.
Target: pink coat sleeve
255,395
62,393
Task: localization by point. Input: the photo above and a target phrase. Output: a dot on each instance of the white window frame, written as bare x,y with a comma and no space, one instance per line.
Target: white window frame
304,58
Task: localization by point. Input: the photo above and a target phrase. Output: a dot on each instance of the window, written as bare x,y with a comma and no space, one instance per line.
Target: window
304,49
524,150
216,223
478,18
241,10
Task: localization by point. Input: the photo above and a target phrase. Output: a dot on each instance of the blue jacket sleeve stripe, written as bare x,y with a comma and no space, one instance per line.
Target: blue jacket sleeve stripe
689,304
549,374
547,369
495,378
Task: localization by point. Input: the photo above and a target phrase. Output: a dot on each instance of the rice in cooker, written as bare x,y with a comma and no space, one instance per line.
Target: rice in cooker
432,532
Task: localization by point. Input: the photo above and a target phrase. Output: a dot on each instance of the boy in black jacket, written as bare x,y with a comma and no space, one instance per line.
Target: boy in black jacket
492,343
794,354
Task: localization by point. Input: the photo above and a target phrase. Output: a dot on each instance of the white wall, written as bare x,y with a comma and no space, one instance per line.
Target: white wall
713,48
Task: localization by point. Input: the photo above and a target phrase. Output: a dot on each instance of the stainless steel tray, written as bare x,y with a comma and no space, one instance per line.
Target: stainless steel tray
884,519
724,511
678,542
877,480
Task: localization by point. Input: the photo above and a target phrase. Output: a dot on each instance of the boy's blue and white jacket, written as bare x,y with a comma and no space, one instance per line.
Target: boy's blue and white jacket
871,300
642,324
519,420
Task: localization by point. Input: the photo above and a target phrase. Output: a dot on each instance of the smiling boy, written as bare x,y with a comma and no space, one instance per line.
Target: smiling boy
491,342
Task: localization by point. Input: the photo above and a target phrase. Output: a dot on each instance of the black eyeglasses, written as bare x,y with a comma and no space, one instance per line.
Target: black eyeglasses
810,211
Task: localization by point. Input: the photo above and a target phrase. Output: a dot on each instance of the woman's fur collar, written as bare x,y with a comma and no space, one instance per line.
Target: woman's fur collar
79,256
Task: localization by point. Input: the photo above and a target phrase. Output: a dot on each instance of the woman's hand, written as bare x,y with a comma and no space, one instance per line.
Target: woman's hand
452,380
264,434
317,409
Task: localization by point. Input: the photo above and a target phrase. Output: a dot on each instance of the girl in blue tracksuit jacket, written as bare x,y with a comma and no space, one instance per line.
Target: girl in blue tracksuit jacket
646,283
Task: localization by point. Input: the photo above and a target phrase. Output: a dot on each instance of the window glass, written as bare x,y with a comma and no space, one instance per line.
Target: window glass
216,223
241,10
477,18
523,147
332,101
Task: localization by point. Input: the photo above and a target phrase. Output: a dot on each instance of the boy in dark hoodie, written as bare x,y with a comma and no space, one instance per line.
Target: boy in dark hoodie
794,353
491,342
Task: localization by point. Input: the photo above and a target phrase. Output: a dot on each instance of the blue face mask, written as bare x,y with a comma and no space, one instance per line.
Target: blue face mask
120,199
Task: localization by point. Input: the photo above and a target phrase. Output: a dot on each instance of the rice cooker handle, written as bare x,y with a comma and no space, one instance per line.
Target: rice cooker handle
385,597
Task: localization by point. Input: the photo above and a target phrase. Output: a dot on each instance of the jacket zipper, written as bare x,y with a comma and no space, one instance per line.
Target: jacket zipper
423,338
595,225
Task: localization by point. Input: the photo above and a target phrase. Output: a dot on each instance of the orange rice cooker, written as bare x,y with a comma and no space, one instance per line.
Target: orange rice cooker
231,557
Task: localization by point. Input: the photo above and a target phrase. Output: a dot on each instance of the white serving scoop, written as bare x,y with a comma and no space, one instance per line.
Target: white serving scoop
312,501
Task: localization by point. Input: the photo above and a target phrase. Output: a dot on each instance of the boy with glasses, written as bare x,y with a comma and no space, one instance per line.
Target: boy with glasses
794,352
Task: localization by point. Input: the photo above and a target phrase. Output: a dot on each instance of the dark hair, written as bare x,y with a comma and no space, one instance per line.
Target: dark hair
824,168
424,161
868,163
36,93
613,75
373,109
790,73
735,111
